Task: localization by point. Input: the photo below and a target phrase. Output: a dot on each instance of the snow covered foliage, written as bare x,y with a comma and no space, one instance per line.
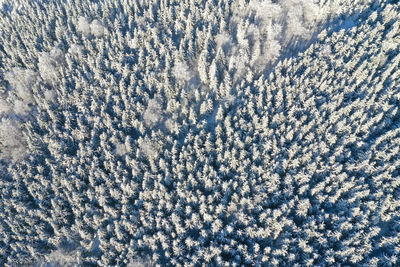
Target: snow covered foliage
265,29
217,133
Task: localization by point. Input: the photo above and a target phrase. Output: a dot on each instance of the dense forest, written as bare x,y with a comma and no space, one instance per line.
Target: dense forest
199,133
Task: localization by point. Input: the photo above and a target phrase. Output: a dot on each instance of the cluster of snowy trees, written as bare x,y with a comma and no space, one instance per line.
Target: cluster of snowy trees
137,130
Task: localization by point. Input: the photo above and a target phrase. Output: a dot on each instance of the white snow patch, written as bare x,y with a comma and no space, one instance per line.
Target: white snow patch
83,25
22,81
181,71
153,113
13,145
96,28
48,63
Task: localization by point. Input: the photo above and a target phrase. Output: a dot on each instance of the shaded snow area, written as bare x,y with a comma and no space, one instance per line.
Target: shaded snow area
199,133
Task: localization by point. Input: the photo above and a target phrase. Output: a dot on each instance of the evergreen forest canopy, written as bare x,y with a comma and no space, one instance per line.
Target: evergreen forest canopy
194,132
